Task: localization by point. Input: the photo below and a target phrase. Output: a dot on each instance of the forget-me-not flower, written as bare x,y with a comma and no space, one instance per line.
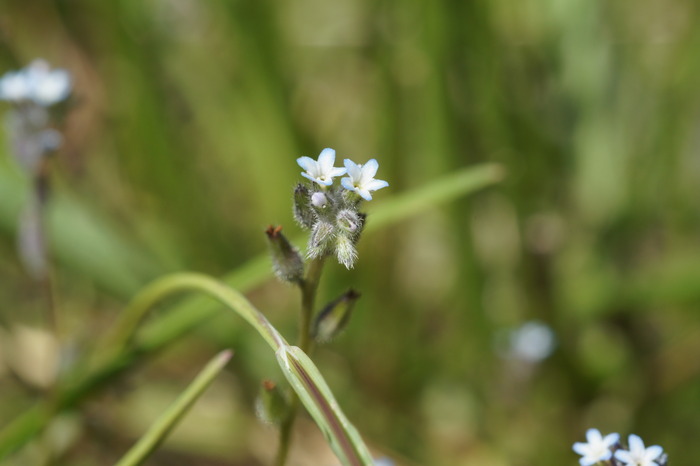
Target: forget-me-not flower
637,455
597,448
361,180
321,171
38,83
14,87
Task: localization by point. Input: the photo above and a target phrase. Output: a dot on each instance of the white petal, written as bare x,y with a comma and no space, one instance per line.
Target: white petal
636,444
307,163
364,194
581,448
13,86
611,439
337,171
624,456
347,183
653,452
354,170
374,185
326,159
52,88
370,169
593,436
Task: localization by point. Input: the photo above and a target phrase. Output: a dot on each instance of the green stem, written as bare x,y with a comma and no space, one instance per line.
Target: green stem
308,300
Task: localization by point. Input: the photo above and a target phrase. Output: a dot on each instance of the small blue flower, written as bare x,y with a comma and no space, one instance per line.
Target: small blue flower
637,454
321,171
597,449
361,180
37,83
14,87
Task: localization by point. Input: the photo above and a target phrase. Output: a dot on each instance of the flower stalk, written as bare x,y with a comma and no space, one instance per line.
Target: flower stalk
331,214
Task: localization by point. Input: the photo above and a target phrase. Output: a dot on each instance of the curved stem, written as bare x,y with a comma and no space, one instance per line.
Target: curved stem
171,284
308,300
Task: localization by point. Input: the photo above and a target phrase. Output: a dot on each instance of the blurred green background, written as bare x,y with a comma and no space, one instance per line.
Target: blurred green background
180,149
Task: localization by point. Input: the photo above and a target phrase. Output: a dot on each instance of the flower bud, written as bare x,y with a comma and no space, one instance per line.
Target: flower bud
345,251
272,406
321,237
286,261
334,317
349,220
303,213
319,200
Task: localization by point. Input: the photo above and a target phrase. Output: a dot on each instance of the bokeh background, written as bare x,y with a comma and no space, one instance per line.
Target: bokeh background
180,148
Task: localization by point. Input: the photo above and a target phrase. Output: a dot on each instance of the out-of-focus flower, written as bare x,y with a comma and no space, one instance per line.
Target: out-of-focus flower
597,448
361,179
638,455
383,462
532,342
321,171
37,83
14,87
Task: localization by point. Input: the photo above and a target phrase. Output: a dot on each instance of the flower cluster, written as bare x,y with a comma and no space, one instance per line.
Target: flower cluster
608,450
32,91
330,211
37,83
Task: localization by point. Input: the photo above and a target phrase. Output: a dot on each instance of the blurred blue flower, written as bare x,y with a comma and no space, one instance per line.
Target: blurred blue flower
36,83
532,342
597,448
361,180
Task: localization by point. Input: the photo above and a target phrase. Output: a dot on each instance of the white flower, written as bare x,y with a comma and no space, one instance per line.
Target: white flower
637,454
47,87
36,82
321,171
361,178
597,449
14,87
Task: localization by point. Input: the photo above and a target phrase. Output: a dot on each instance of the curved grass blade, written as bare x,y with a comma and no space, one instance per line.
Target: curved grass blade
97,372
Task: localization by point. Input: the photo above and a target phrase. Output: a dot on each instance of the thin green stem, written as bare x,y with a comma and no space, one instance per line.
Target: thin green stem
308,301
166,422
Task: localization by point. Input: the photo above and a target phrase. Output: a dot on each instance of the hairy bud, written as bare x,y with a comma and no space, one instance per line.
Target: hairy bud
349,221
303,213
345,251
286,261
272,406
319,200
334,317
321,239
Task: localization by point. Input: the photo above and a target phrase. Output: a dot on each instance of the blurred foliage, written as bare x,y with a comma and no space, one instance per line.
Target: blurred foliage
180,148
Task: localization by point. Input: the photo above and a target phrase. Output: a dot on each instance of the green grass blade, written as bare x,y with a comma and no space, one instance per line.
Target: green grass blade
319,401
162,427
